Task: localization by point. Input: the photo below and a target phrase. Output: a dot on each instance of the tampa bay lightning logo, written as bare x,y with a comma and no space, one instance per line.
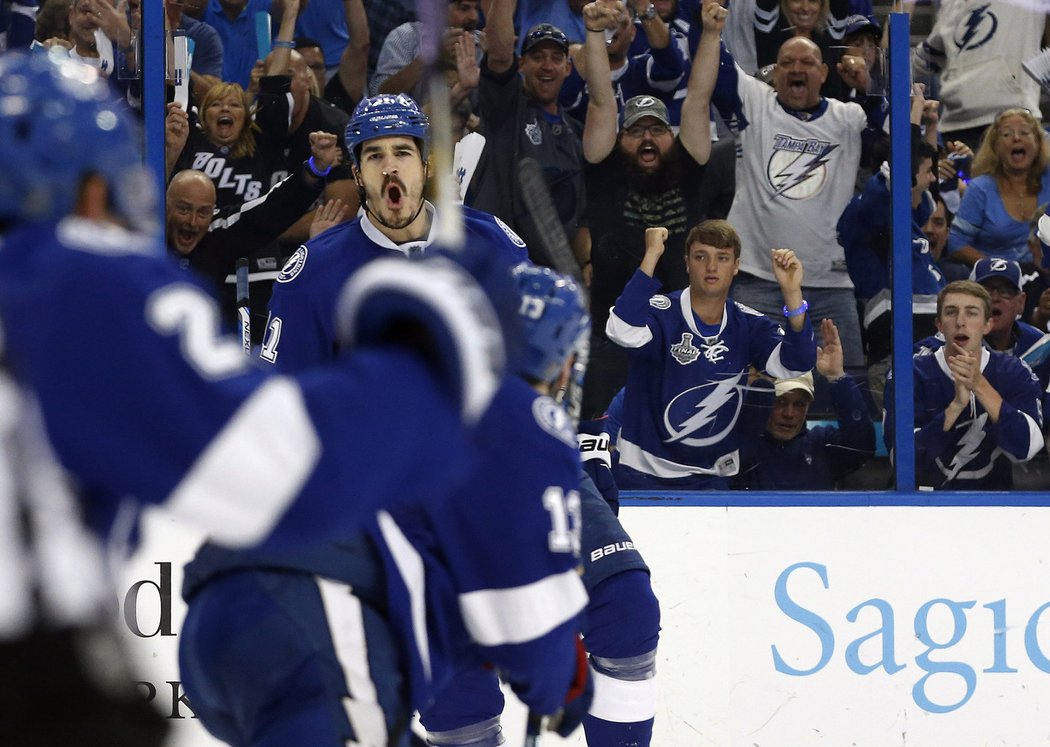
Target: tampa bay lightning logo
293,266
798,168
979,27
551,417
704,415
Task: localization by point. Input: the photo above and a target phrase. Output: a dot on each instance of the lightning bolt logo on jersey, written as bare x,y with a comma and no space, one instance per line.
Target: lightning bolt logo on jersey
798,168
704,415
980,26
969,449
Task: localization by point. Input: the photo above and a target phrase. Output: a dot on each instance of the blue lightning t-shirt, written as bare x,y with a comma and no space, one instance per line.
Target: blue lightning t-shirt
685,389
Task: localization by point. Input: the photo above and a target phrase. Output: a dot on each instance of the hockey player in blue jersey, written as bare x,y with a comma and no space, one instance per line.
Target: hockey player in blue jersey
145,403
976,410
622,620
690,352
388,139
143,397
339,643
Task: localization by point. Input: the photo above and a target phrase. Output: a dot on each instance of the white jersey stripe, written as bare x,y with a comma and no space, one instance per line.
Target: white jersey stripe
413,574
495,617
635,457
347,628
272,442
626,335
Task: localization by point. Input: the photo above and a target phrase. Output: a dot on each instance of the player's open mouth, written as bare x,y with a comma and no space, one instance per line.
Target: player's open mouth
797,86
394,195
961,340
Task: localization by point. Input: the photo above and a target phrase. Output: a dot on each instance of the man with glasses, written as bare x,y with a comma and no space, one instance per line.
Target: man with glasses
640,175
521,118
211,242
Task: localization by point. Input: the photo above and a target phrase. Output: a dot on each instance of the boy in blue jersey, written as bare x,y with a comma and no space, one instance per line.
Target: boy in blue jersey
388,138
142,399
1005,282
621,623
976,410
682,402
339,643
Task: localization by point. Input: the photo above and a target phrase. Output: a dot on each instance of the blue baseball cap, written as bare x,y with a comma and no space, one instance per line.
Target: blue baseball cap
997,267
857,22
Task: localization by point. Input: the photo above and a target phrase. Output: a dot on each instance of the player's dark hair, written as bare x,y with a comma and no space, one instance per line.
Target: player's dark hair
714,232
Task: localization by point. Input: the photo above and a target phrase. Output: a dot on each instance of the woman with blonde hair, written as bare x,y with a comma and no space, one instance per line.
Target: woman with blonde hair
222,144
1011,188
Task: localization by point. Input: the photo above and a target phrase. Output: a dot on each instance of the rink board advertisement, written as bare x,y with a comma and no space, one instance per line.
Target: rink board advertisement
867,626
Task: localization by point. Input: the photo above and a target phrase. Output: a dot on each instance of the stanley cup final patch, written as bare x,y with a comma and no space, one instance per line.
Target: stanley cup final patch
685,352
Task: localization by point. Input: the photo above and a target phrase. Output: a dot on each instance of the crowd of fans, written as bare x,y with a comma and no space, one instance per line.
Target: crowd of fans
768,117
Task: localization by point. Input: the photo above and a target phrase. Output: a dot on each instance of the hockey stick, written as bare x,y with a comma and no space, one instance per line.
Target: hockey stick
537,198
533,728
244,316
434,17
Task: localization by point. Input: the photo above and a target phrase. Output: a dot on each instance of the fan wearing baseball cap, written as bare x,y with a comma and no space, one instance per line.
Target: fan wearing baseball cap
779,452
518,104
977,411
1004,280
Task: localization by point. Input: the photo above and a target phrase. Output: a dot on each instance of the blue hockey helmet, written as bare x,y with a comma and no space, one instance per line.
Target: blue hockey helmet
385,115
60,121
553,321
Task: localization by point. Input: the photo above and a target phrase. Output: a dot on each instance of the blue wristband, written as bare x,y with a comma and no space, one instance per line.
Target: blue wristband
319,174
284,44
797,312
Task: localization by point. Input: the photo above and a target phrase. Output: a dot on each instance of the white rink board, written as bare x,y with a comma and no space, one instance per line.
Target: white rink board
716,573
